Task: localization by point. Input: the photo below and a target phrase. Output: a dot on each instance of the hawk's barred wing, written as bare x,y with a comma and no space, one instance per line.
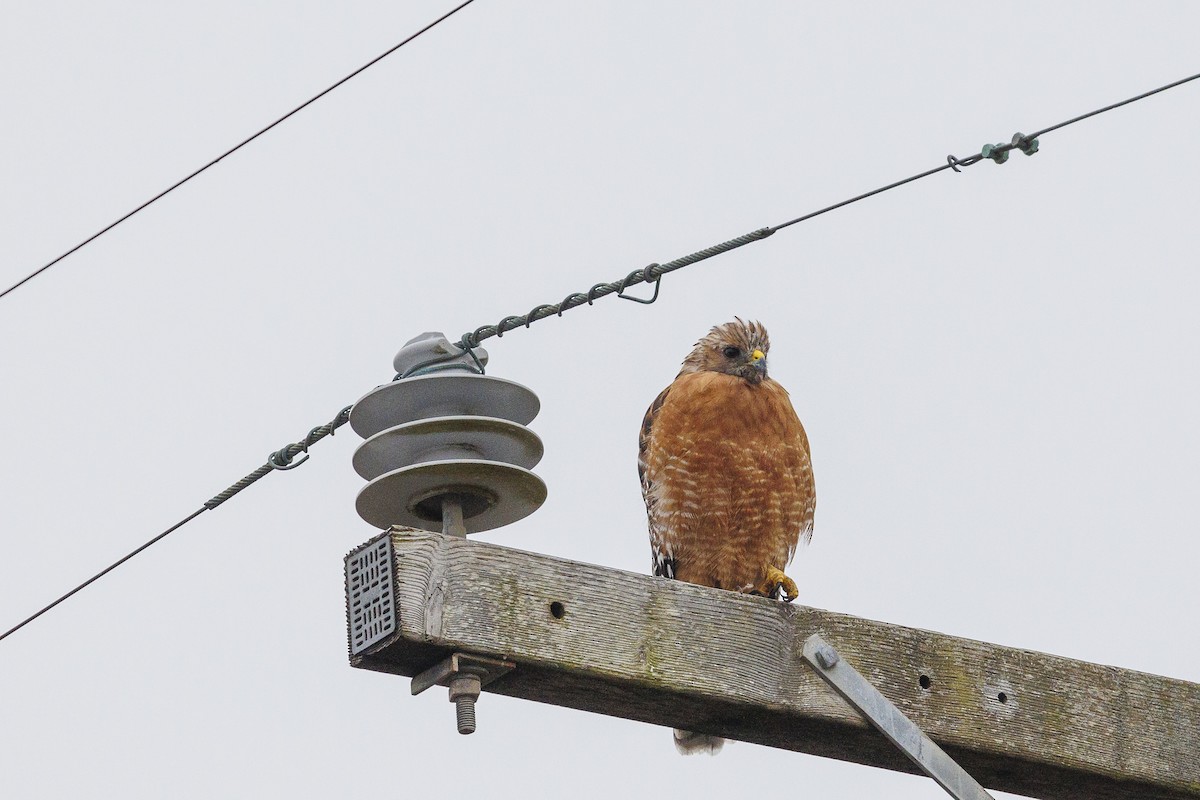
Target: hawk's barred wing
663,565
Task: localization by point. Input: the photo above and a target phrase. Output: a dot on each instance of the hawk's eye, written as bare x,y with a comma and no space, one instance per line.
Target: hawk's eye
732,352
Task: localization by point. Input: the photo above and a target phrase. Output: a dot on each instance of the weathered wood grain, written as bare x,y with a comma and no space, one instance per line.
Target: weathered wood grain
685,656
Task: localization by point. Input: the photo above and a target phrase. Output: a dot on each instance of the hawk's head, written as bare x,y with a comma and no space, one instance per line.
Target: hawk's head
735,348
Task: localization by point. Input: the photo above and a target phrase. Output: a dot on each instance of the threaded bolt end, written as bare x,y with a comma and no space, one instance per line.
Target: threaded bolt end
464,690
465,711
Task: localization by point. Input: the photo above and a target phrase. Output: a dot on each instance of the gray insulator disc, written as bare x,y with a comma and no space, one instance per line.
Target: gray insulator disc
492,495
448,438
442,394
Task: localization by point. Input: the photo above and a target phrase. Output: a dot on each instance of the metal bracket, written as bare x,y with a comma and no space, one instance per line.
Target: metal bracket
890,721
466,675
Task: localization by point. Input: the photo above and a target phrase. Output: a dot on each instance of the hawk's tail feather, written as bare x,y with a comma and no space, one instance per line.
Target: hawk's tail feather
688,743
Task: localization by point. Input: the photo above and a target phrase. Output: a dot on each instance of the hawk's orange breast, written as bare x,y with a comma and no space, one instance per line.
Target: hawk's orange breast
728,479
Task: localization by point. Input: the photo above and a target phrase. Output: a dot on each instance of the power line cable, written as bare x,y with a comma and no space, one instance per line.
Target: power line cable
233,150
104,571
1026,143
283,459
1141,96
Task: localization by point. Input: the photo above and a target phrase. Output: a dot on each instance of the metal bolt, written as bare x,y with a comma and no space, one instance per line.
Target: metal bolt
464,691
465,714
827,657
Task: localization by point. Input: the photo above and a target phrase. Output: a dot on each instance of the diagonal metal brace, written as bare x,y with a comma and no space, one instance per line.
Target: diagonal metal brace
890,721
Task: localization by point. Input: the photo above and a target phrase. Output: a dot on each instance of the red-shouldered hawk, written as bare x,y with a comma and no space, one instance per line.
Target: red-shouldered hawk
726,475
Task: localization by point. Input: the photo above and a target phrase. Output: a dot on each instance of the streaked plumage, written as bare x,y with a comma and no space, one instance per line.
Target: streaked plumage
726,474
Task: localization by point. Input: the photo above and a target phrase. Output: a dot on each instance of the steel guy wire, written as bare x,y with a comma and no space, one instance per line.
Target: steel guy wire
282,459
234,149
1026,143
1141,96
104,572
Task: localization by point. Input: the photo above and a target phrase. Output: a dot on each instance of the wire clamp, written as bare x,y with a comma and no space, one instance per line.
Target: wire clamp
996,152
282,461
1026,144
471,352
471,340
637,276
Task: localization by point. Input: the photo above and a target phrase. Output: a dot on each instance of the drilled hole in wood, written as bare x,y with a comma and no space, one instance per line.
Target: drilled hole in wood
925,682
1002,697
558,610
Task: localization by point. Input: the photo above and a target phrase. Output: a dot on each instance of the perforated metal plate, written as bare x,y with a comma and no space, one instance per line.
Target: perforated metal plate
370,600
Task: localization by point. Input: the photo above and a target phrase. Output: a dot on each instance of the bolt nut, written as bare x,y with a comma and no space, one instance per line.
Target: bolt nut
826,656
464,684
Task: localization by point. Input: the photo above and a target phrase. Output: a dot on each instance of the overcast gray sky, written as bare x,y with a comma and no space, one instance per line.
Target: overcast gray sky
997,369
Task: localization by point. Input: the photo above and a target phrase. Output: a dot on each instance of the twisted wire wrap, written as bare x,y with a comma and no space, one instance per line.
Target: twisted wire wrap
648,274
281,459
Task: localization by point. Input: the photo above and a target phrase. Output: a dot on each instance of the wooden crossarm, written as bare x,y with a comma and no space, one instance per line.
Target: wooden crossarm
683,656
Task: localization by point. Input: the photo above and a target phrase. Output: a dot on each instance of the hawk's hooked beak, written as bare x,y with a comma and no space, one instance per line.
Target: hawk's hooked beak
758,360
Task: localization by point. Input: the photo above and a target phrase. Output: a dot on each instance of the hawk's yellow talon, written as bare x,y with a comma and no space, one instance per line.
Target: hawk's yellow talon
780,585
